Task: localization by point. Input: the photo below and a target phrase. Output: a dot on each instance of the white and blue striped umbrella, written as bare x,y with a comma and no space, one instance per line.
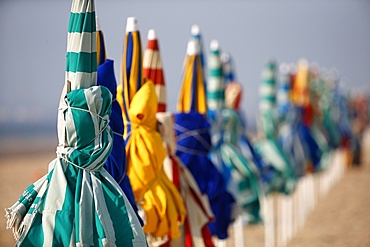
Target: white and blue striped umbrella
77,203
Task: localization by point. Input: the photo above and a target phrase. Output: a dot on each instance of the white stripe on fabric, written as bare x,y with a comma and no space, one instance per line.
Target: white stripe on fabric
161,92
94,106
82,6
82,79
282,97
214,62
152,60
103,212
267,74
71,133
267,90
215,83
48,225
57,187
214,104
86,213
97,163
76,44
265,106
138,233
54,201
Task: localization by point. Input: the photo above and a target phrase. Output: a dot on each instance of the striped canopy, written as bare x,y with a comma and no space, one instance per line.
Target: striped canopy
153,69
193,139
268,87
157,196
78,203
216,82
116,162
239,173
195,231
268,146
233,95
131,70
192,96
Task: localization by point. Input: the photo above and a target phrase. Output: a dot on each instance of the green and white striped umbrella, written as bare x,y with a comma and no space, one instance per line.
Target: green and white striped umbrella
77,203
216,82
267,104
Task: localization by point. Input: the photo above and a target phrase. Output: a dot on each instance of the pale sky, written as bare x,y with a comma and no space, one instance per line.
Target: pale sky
333,33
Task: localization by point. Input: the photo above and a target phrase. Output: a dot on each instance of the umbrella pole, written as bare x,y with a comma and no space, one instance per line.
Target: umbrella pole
269,221
238,231
220,243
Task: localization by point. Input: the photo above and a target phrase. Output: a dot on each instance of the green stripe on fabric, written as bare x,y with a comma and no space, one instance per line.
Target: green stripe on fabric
28,193
81,62
216,72
269,98
270,81
82,22
77,205
215,52
216,95
63,228
119,215
35,236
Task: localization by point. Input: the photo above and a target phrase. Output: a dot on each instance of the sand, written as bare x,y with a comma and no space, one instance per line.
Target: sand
342,218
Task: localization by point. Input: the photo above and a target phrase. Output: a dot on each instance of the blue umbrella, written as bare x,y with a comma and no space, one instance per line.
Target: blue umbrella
194,143
116,162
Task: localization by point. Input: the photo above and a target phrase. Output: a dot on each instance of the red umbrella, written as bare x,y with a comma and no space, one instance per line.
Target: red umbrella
152,66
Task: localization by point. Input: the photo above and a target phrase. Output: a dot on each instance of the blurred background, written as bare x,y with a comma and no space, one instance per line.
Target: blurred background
333,33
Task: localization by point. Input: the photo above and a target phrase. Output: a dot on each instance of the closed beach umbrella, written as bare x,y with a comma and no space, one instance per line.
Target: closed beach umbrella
194,142
153,69
77,202
131,78
195,231
228,67
216,82
290,118
240,174
100,44
164,211
301,98
116,162
267,145
192,96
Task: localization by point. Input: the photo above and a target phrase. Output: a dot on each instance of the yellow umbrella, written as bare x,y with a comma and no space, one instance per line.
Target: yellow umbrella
153,191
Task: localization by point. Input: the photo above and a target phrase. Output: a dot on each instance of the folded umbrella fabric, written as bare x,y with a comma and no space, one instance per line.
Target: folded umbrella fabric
78,202
195,231
116,161
193,146
153,191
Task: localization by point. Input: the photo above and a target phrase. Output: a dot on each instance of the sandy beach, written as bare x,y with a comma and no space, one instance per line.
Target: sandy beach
340,219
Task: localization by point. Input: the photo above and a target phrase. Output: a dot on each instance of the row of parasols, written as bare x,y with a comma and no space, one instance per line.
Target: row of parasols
130,173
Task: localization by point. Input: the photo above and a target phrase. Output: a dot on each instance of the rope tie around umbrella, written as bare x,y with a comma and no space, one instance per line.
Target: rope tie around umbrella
164,211
75,206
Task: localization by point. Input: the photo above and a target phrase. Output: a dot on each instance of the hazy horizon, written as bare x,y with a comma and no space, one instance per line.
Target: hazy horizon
333,33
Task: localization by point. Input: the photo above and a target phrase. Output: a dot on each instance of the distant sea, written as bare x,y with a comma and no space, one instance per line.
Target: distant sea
18,138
